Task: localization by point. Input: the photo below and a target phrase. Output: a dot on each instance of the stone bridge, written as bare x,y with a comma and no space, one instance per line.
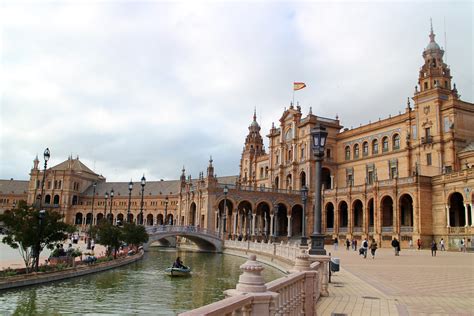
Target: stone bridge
205,239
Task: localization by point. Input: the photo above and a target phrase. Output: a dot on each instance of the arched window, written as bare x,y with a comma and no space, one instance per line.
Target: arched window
348,153
396,142
47,199
365,149
277,183
289,134
375,147
56,200
385,144
74,200
356,151
302,179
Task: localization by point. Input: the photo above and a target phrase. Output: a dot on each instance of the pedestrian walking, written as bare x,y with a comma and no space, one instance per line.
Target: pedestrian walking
434,248
410,243
355,244
373,248
352,243
336,243
365,247
441,245
463,245
418,243
348,244
396,246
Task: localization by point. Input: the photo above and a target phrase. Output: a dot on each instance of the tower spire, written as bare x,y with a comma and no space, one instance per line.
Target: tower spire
255,114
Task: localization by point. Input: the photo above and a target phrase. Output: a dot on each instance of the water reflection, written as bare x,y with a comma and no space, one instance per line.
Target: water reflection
140,288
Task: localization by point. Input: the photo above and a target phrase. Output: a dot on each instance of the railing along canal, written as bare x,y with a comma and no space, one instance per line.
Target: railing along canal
181,229
294,294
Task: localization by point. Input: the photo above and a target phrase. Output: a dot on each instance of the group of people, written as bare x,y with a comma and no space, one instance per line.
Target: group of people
363,249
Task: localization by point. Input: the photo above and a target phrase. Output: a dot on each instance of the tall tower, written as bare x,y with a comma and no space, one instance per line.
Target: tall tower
253,149
434,73
435,106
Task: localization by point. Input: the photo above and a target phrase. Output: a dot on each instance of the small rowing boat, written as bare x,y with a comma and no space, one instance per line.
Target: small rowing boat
183,271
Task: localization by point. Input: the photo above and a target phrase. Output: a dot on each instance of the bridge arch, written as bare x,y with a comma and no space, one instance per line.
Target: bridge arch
206,240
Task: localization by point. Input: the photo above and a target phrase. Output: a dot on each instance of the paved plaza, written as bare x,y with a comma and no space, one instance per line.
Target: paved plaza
415,283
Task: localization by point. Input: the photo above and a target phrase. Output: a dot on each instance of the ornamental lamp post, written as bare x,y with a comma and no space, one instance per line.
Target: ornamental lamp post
166,210
319,136
46,156
143,182
111,200
106,196
224,216
94,185
130,187
41,216
304,198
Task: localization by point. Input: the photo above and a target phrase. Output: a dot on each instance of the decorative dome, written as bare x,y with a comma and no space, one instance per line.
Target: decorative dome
432,45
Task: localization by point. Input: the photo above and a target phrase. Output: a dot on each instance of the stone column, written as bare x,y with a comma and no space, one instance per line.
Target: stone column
254,216
447,216
289,226
272,232
332,182
472,216
465,214
234,229
265,224
241,223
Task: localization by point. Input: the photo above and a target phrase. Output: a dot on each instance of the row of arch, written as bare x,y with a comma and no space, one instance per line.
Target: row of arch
355,151
55,199
340,217
149,220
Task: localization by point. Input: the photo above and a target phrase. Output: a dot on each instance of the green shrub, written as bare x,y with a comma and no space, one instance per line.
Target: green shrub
8,272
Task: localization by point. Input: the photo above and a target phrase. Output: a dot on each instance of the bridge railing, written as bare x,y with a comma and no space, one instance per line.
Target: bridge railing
181,229
294,294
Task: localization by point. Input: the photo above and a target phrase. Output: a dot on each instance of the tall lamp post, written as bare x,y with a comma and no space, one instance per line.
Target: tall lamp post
106,196
46,156
304,198
92,217
41,216
130,188
166,210
143,182
319,136
111,200
224,216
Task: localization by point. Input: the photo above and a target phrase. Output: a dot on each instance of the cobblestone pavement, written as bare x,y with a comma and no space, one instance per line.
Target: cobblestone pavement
414,283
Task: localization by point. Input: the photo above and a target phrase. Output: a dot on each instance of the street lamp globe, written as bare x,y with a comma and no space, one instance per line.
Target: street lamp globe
46,154
143,181
130,185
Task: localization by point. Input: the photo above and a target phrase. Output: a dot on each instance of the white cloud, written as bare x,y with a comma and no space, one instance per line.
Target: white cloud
149,86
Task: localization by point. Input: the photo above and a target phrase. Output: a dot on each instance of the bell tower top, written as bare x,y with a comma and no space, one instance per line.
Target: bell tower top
434,73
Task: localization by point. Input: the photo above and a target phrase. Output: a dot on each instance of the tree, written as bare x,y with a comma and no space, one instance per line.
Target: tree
24,232
108,235
134,234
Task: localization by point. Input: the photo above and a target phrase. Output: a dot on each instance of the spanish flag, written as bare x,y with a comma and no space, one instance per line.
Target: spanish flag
298,86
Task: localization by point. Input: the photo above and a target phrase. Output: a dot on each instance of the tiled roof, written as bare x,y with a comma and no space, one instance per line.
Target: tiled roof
13,186
73,164
154,188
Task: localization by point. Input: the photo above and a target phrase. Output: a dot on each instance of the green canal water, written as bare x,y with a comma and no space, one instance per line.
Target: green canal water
141,288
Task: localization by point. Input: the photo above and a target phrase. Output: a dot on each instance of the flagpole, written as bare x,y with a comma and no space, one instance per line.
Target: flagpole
293,103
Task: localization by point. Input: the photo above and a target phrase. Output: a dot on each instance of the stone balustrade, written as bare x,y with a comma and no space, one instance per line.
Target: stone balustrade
293,294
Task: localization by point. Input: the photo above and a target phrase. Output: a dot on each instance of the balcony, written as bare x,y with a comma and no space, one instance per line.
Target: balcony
357,229
427,140
343,229
387,229
406,229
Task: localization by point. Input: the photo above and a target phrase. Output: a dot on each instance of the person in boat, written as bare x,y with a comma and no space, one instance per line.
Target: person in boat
178,263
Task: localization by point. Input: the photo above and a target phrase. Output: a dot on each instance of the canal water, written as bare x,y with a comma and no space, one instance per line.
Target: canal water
141,288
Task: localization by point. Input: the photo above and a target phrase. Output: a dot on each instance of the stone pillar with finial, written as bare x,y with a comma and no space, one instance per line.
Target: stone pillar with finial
251,282
311,283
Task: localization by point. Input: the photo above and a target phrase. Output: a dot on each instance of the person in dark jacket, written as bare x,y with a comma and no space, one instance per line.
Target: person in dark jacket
396,246
434,248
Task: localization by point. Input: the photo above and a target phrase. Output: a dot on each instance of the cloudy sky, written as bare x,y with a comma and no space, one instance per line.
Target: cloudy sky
135,87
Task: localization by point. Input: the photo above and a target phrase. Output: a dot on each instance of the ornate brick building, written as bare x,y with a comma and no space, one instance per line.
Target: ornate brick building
409,176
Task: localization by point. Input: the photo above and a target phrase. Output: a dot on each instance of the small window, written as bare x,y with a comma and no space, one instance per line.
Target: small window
385,144
348,153
302,153
328,153
393,172
426,85
413,131
356,151
428,159
396,142
375,147
365,149
370,177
